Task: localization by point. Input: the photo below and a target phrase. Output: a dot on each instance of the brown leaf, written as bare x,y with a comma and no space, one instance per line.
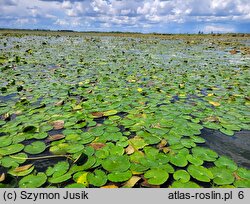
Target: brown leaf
58,124
110,186
97,146
130,150
59,103
132,181
55,137
23,168
233,52
97,114
2,177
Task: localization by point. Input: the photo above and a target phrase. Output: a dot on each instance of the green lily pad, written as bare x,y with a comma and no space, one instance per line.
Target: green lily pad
156,176
194,160
179,160
119,176
242,184
59,149
189,184
13,160
58,169
200,173
227,131
5,141
116,150
97,178
33,181
35,147
243,173
75,185
188,143
60,179
182,175
197,139
116,163
12,149
222,176
74,148
204,153
225,162
137,142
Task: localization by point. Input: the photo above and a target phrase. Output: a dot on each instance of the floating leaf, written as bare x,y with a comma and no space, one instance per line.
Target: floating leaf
22,168
189,184
116,163
60,179
21,173
204,153
35,147
131,182
179,160
97,178
156,176
58,124
222,176
214,103
2,177
110,112
194,160
129,150
33,181
182,175
119,176
200,173
12,149
97,146
137,143
225,162
75,185
55,137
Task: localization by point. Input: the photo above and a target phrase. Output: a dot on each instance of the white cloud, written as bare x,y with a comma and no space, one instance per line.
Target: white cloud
218,29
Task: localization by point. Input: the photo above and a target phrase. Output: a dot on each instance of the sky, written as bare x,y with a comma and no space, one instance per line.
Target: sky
146,16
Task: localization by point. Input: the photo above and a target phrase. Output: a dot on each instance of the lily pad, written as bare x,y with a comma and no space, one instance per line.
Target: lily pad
225,162
189,184
21,173
182,175
12,149
119,176
35,147
204,153
116,163
60,179
222,176
179,160
97,178
137,143
58,169
156,176
33,181
200,173
194,160
5,141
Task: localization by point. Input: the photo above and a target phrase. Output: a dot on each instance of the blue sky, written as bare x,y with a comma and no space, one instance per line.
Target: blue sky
163,16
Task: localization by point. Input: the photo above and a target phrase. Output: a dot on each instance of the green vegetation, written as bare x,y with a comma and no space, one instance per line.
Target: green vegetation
122,110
